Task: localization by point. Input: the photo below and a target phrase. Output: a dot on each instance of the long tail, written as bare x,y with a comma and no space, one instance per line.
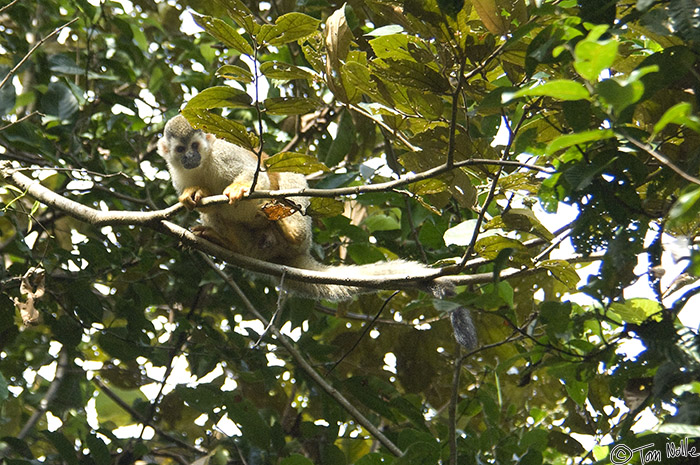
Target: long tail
338,292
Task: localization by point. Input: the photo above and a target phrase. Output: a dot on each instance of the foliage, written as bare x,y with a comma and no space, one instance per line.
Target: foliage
511,103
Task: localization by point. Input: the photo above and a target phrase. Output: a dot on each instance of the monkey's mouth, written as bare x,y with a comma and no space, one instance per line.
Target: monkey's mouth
191,160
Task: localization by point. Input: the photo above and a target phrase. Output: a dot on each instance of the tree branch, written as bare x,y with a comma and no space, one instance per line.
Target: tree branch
157,220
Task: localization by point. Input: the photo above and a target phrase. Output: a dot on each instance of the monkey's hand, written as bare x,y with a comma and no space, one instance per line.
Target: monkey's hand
192,196
236,191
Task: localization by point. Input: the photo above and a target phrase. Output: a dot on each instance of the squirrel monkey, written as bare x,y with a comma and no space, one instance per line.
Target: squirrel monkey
201,165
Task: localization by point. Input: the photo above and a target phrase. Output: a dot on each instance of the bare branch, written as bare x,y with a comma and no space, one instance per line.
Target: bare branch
36,46
661,158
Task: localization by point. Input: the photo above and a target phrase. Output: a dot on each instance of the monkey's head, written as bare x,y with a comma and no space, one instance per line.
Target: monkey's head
183,145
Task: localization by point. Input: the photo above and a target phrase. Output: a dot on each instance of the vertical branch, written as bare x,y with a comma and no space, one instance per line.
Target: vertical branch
256,84
454,401
453,117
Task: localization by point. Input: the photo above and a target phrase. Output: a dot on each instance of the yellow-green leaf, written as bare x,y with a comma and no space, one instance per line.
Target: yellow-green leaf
561,89
427,186
295,162
291,105
563,271
325,206
235,73
288,28
221,127
225,33
219,97
567,140
284,71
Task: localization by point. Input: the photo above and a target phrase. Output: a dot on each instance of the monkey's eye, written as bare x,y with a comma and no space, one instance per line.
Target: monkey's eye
180,149
195,145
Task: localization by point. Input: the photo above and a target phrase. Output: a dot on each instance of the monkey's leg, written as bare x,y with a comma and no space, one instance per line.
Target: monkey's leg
191,196
292,231
213,236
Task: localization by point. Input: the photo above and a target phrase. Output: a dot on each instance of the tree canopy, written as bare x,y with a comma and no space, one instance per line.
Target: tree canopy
451,132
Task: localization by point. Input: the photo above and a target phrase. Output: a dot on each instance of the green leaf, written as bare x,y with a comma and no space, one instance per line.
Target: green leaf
563,271
4,391
219,97
284,71
524,219
394,46
325,206
686,208
391,29
221,127
638,310
381,222
567,140
98,450
461,234
427,186
562,89
344,139
291,105
619,96
59,101
412,74
235,73
63,446
490,246
225,33
241,14
243,412
594,57
680,114
294,162
288,28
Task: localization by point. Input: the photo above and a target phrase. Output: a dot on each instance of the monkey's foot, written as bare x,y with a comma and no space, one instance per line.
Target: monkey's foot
211,235
236,191
192,196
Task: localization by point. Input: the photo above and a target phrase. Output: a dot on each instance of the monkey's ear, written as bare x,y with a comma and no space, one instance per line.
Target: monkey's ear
211,138
163,147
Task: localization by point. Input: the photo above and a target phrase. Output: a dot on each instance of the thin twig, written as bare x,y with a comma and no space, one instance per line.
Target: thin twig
138,417
33,49
2,10
660,158
453,118
454,401
61,368
259,149
368,326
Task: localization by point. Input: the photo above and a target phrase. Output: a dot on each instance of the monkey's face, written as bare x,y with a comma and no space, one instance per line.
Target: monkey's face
182,145
188,150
